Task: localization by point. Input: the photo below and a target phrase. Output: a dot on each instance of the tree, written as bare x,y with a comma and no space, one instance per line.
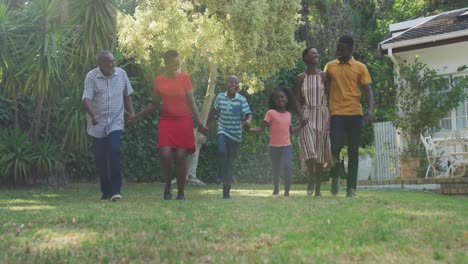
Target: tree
252,39
45,53
422,102
10,43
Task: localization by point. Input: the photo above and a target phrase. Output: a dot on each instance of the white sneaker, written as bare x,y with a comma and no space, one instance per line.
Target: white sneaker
276,195
115,197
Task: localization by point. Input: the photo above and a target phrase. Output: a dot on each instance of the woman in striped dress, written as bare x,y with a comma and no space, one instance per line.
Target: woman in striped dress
314,137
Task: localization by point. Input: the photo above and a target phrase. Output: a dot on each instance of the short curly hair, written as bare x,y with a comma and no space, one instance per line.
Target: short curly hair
304,52
287,91
346,39
170,54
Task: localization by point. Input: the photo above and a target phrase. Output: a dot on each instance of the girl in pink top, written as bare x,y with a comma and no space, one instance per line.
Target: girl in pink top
279,120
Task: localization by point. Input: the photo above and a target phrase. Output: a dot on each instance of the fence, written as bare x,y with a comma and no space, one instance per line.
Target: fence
385,136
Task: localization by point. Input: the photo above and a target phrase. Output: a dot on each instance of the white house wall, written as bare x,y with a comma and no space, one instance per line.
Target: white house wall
445,59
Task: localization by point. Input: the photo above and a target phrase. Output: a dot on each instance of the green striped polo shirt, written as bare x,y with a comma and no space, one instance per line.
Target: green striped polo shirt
231,113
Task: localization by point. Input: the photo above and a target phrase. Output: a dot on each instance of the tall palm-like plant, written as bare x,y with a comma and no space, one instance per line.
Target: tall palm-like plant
93,27
46,51
8,34
96,30
11,42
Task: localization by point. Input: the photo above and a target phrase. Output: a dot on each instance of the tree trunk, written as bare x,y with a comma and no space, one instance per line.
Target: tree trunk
36,124
47,119
192,160
15,106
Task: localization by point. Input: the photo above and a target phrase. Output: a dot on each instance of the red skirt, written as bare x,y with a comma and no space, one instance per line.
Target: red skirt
177,133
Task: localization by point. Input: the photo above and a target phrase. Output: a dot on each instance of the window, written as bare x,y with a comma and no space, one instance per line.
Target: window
457,118
461,112
446,122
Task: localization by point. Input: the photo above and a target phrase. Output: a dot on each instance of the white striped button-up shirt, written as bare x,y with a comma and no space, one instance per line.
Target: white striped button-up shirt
107,98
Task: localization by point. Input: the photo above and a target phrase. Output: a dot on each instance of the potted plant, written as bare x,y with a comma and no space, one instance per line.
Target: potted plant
422,101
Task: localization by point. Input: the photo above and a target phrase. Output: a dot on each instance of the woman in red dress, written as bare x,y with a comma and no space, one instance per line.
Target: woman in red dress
175,134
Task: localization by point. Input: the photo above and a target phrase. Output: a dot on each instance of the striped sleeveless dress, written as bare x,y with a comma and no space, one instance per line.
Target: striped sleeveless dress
314,138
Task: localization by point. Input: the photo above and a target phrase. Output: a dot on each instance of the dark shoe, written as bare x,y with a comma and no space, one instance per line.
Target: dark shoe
318,194
167,195
351,193
180,196
105,199
115,197
335,186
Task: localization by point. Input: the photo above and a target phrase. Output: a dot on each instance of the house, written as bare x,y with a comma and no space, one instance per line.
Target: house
441,42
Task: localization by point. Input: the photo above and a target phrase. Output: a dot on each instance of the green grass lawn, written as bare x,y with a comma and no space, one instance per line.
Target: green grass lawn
71,224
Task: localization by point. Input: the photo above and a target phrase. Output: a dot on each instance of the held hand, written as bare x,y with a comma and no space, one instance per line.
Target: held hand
94,120
203,130
246,125
132,120
303,122
369,117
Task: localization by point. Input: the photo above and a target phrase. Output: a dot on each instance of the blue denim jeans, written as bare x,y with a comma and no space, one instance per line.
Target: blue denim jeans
227,153
107,155
281,158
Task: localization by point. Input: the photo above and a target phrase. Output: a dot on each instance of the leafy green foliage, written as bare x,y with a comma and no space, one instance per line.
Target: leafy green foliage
47,158
21,162
245,37
16,156
249,38
140,158
423,101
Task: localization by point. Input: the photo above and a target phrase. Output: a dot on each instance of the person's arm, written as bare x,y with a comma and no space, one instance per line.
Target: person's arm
293,130
326,82
300,98
210,118
193,107
129,105
148,110
260,129
88,95
247,121
369,116
90,110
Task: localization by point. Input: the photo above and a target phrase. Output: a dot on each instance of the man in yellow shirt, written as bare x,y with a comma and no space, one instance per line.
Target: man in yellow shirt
345,79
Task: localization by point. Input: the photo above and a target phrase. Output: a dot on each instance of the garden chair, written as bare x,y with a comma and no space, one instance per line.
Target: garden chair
458,158
434,154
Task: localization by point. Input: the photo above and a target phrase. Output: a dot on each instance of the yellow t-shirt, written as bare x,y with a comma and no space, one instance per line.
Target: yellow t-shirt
345,87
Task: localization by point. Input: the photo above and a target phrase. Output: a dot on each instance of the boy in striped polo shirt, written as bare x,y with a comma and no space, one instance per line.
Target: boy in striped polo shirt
233,113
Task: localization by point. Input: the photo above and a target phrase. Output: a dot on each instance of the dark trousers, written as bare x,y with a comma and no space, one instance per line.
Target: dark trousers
349,126
107,155
227,152
281,158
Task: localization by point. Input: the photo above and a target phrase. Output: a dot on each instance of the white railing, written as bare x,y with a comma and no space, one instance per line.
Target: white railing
385,137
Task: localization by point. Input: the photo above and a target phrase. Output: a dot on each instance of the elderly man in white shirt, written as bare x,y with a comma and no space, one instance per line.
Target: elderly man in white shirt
106,91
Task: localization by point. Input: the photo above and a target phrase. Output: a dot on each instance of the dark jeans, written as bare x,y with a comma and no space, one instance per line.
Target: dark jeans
281,158
107,155
227,152
349,126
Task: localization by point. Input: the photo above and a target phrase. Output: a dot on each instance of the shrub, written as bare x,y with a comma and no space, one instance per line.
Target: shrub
16,156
